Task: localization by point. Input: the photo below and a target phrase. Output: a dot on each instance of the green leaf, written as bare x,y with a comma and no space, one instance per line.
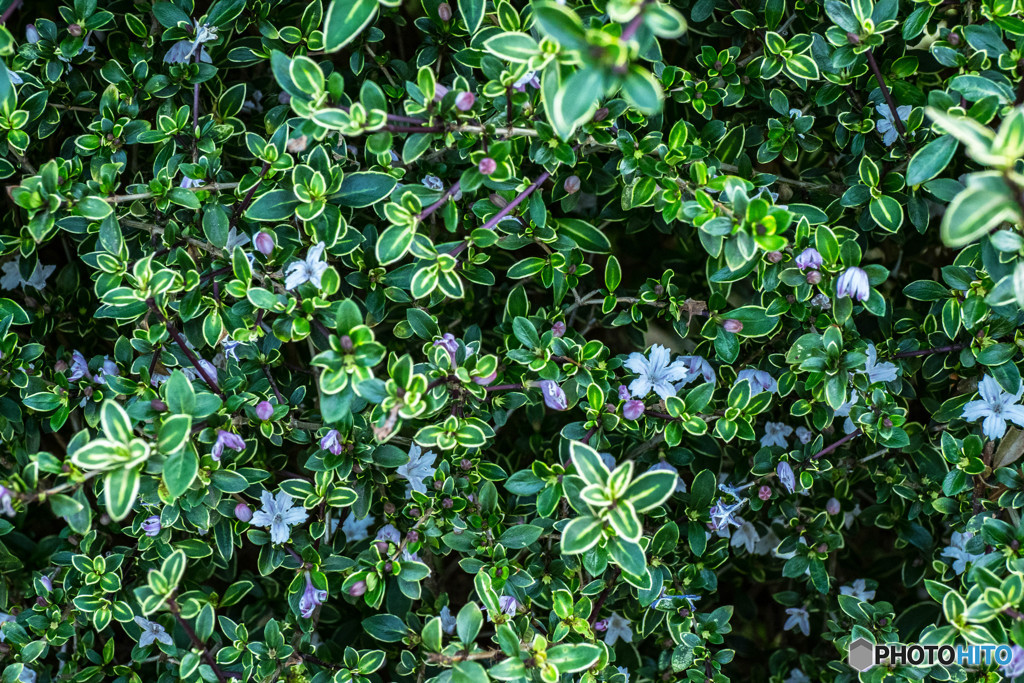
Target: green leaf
581,534
472,12
887,212
586,236
276,205
570,658
385,627
560,23
120,488
174,433
520,536
216,224
974,212
180,471
359,190
345,20
651,489
931,160
641,90
468,622
512,47
116,424
588,463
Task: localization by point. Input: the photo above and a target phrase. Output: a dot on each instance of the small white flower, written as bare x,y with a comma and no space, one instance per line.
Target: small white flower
844,411
432,182
189,183
759,381
878,372
996,406
311,269
236,239
656,372
621,669
152,632
775,434
12,275
848,517
618,628
958,554
887,124
27,675
767,543
799,618
279,515
859,590
357,529
419,467
746,536
796,676
182,51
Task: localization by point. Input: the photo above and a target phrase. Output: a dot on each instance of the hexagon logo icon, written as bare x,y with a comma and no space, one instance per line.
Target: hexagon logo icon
861,655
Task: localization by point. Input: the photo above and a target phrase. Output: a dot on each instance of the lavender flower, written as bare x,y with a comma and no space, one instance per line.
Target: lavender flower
226,440
264,243
618,629
152,632
449,344
759,381
554,397
152,526
464,101
798,618
853,282
6,502
657,372
1015,667
804,435
182,51
279,515
448,622
311,598
633,409
878,372
310,269
887,124
419,467
189,183
79,367
357,529
508,605
722,515
264,411
527,79
786,476
696,366
996,406
775,434
809,258
243,513
432,182
558,329
833,506
623,392
331,441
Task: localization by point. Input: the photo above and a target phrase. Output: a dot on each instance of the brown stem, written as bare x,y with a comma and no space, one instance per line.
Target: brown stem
9,11
273,385
180,341
886,94
173,606
828,449
440,202
595,613
240,208
927,352
505,387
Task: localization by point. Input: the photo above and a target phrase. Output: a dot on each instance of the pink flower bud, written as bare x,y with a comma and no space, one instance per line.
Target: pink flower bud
243,512
571,184
633,409
357,589
484,381
444,11
487,166
732,325
764,493
264,410
264,242
623,392
558,329
833,507
464,101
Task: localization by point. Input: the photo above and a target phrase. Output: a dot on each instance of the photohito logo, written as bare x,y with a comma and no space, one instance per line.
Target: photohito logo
863,654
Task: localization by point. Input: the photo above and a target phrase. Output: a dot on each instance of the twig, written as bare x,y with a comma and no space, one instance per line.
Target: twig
886,94
828,449
928,352
440,202
240,208
9,11
212,187
173,606
182,344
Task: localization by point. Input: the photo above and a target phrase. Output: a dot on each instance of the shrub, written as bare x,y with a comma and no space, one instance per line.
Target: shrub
617,341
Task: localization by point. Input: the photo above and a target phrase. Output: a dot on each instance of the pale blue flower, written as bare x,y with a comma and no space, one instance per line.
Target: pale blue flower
310,269
996,406
759,381
357,529
859,590
152,632
878,372
854,283
279,515
618,629
657,372
776,434
887,124
419,467
798,618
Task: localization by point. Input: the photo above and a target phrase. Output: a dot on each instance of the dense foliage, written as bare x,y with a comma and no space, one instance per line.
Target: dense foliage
621,340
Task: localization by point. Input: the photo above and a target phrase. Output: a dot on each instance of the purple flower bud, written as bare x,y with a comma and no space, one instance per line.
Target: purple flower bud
814,277
449,344
809,258
487,166
774,256
331,442
358,588
264,410
484,381
31,34
601,626
243,513
786,476
47,583
464,101
311,598
444,11
284,98
151,526
623,392
854,283
571,184
508,605
833,507
558,329
732,325
554,397
75,30
226,440
633,409
764,493
264,242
